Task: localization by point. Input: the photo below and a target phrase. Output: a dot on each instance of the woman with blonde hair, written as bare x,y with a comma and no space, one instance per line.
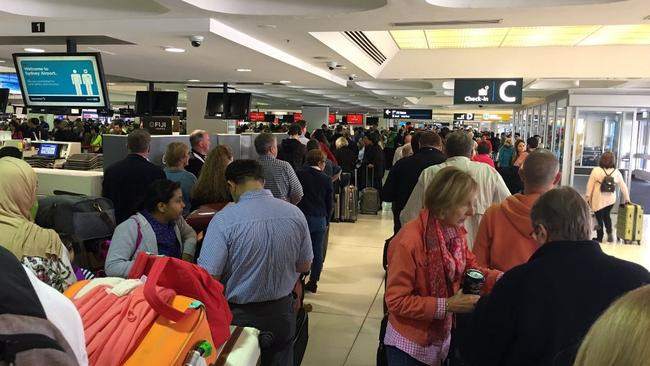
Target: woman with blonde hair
621,335
177,157
344,154
426,264
211,186
39,249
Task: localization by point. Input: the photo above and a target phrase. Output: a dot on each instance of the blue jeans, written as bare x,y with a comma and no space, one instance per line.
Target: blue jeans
397,357
317,227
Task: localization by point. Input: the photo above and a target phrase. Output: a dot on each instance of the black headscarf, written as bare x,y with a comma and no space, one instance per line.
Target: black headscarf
17,295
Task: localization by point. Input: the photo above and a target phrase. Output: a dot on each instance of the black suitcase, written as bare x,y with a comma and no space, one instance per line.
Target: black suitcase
302,336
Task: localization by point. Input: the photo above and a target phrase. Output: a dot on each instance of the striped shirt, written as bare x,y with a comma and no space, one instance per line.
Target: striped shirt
280,178
255,246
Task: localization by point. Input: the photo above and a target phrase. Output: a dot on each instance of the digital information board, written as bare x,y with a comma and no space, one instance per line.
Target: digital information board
61,80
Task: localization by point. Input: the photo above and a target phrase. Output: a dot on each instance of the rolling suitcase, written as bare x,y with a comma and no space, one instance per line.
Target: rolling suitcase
629,223
337,208
350,202
370,203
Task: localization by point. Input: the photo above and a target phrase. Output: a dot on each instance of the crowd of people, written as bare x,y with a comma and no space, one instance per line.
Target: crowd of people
460,201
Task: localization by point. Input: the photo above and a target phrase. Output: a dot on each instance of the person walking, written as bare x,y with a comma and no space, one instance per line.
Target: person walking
601,193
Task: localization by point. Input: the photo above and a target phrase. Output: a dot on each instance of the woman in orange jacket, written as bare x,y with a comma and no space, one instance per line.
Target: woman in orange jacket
426,264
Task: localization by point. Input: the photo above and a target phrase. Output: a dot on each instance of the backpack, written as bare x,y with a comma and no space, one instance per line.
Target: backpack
28,340
608,184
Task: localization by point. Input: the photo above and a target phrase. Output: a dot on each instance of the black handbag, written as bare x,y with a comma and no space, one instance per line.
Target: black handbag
83,217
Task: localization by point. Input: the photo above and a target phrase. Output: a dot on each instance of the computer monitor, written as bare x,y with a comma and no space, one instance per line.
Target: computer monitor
4,100
49,150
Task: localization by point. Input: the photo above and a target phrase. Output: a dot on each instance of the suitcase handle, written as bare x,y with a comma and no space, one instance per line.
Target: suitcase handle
156,303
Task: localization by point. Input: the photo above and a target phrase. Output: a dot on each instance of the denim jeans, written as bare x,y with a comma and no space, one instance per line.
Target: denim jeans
397,357
317,227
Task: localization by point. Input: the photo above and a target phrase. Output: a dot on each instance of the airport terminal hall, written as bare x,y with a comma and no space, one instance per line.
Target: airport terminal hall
325,182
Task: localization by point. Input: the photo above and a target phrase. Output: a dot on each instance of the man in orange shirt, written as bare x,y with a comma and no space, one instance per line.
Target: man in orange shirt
503,240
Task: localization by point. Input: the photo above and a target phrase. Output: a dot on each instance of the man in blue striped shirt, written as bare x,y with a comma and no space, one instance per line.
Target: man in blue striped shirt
257,248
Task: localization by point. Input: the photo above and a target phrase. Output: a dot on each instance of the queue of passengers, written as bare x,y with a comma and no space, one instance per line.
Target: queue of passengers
546,281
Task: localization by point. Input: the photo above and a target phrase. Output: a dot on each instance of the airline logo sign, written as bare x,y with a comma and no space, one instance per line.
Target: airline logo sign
488,91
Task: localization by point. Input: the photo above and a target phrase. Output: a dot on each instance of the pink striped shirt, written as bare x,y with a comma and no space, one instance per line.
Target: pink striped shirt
433,354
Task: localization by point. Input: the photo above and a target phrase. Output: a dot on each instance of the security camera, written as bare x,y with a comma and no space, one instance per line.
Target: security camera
196,41
332,65
351,77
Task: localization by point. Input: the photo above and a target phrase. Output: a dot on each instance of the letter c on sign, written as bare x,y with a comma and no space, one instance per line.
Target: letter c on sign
502,92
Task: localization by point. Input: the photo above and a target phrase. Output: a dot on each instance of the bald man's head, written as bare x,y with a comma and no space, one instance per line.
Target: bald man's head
540,171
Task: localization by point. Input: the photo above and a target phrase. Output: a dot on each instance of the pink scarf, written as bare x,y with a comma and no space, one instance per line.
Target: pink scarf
445,248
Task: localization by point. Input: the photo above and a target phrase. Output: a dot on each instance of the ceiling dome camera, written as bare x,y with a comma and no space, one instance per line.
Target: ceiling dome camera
196,41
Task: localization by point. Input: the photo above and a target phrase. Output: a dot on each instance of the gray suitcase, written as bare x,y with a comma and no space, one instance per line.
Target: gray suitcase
337,208
350,203
370,202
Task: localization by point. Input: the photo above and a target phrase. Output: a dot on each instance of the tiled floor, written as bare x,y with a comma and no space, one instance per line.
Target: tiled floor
344,324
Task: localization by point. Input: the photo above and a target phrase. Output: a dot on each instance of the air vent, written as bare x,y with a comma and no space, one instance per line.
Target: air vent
361,40
446,23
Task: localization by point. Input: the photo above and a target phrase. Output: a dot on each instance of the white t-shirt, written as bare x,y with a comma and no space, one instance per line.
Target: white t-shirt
63,314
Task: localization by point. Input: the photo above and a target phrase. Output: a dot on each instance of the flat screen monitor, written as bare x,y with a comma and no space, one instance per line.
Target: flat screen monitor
49,150
239,105
269,118
75,111
287,118
61,80
10,81
156,103
215,106
4,100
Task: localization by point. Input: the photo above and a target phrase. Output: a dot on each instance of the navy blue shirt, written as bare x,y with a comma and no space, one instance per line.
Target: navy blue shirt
165,236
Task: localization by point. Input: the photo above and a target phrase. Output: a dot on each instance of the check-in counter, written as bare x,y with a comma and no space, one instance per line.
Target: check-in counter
77,181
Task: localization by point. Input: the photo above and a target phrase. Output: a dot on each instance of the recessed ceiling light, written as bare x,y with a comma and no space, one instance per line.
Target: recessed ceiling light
285,82
34,50
174,49
194,80
111,84
2,61
268,26
244,70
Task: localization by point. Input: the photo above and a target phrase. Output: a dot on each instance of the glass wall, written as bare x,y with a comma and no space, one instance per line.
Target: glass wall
559,132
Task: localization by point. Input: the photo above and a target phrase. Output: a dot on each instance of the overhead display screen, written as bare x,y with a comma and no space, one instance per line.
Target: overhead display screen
61,80
10,81
488,91
408,114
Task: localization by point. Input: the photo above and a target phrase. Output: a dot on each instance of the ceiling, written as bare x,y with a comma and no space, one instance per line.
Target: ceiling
294,40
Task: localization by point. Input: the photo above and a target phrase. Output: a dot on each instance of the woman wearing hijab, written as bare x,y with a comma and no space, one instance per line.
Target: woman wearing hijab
39,249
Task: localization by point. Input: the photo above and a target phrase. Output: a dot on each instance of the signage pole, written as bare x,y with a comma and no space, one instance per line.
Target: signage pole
71,45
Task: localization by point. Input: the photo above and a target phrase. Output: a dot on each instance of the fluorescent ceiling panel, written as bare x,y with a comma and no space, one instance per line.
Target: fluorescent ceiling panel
547,36
465,38
410,39
635,34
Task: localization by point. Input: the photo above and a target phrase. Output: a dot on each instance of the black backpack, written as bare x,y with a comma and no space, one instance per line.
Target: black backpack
608,184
